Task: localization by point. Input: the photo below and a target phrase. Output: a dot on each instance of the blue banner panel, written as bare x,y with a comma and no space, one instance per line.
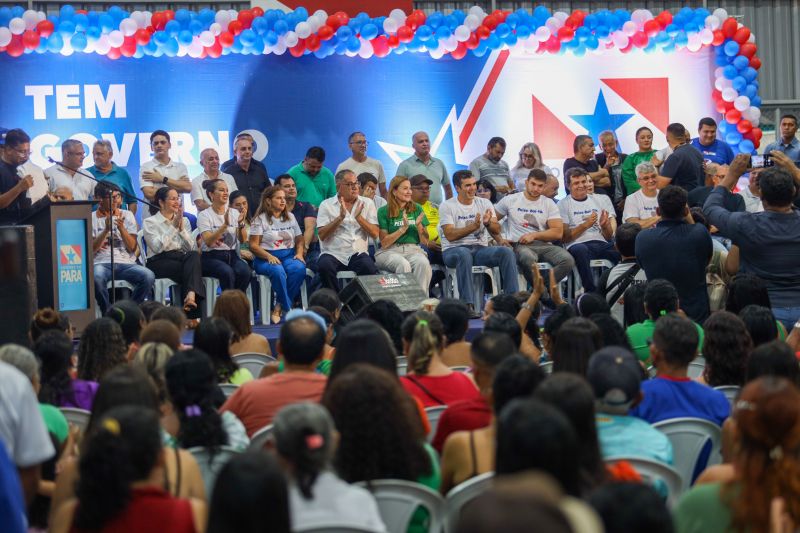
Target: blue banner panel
73,285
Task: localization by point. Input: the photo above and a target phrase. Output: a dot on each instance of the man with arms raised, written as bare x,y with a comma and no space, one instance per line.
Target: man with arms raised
422,162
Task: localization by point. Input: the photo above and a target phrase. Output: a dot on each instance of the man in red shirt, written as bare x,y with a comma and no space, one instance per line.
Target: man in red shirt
301,345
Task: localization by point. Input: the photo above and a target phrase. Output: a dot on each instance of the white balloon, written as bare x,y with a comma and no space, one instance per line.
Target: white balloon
215,29
461,33
206,38
313,23
31,18
321,13
756,114
182,51
5,36
531,44
291,39
41,15
398,14
752,38
706,36
718,83
390,25
560,16
147,18
620,39
233,14
471,22
128,27
115,38
741,103
477,11
755,122
720,13
437,53
719,72
542,33
17,26
553,24
729,94
450,44
102,46
629,28
139,18
280,48
713,22
366,50
67,50
222,18
695,43
303,30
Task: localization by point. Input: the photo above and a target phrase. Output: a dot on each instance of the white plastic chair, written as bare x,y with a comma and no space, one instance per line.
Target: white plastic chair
695,369
462,494
228,389
651,471
111,286
597,266
163,286
688,437
478,288
253,362
265,296
344,277
78,417
210,465
402,365
434,414
730,392
398,500
260,438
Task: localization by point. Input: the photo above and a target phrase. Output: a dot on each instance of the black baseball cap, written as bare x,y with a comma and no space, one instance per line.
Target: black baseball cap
615,375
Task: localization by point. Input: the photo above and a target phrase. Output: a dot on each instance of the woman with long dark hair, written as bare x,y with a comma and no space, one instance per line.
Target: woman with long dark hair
213,336
172,250
578,338
102,348
120,481
726,348
238,201
54,349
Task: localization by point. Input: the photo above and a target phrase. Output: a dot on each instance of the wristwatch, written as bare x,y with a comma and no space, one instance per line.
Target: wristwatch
165,180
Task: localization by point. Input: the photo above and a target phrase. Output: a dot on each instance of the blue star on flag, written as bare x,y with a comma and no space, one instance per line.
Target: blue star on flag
71,256
601,119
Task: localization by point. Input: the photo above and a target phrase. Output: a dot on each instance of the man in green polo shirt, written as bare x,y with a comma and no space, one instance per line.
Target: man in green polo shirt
422,162
314,181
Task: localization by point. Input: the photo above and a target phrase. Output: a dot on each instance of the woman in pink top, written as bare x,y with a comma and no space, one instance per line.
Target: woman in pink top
428,378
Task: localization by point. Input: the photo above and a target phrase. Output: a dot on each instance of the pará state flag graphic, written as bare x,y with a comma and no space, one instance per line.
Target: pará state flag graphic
70,254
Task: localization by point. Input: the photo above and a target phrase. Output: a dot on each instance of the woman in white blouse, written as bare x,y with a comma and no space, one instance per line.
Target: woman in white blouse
277,244
171,249
220,235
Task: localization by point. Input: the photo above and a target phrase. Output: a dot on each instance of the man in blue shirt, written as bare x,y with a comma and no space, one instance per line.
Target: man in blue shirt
787,144
769,242
106,170
713,149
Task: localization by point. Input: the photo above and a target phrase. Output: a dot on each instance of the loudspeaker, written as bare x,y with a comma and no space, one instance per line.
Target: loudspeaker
402,289
17,283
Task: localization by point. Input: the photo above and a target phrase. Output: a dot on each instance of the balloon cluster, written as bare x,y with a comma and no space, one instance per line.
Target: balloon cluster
207,33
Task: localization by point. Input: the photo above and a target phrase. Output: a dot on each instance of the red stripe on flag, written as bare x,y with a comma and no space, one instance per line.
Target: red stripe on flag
477,109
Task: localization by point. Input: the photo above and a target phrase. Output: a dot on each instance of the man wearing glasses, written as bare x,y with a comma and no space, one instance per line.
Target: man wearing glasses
345,224
14,152
359,162
72,155
122,229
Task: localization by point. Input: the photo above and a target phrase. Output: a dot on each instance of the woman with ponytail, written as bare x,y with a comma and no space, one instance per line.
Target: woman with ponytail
305,439
428,378
194,421
764,492
121,473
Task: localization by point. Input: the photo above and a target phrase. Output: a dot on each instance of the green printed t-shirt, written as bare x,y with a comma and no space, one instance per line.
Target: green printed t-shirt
392,224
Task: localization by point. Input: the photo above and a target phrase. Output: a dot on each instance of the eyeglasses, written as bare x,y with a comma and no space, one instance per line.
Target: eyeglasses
76,154
365,143
527,156
22,152
351,184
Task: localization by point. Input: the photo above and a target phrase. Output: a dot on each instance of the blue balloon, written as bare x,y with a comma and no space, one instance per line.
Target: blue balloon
723,126
721,61
730,72
746,146
196,27
750,91
750,74
502,30
81,22
281,27
67,12
66,28
353,44
541,12
450,21
116,13
510,40
343,33
731,48
602,32
151,47
672,29
160,37
301,13
493,42
740,62
434,20
93,33
258,44
739,83
582,33
237,45
651,47
183,16
18,11
460,16
185,37
78,42
369,31
590,21
55,42
290,20
443,32
171,47
94,18
259,25
424,32
248,37
733,138
755,101
523,32
207,16
173,27
271,38
592,43
5,16
681,39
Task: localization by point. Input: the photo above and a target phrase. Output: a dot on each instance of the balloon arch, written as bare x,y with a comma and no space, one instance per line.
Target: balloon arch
209,34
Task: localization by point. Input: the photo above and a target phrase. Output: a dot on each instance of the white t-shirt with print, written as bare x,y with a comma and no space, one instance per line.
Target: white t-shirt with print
525,216
276,234
637,205
454,213
573,212
121,253
208,220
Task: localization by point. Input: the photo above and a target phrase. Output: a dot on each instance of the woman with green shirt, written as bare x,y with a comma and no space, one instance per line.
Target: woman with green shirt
644,138
402,230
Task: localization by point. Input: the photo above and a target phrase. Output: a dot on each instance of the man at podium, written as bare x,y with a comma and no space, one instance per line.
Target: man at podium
15,150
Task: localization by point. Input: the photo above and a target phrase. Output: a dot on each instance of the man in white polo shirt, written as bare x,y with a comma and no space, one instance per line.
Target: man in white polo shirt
465,223
534,222
161,170
345,224
72,155
209,158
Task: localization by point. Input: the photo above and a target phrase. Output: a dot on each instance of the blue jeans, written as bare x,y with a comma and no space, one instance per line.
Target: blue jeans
232,271
140,277
463,258
787,316
286,278
586,251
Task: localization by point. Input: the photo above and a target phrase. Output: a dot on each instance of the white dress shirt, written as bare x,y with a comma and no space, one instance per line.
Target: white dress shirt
161,235
82,187
349,238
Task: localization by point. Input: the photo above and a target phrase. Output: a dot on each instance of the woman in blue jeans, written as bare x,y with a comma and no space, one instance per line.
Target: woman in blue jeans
277,244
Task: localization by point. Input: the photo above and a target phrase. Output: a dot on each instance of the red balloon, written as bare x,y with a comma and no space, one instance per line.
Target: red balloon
245,17
757,134
225,39
235,27
344,19
721,108
393,41
158,20
30,39
565,33
128,48
325,32
716,95
755,62
45,28
652,27
729,27
257,11
215,50
741,35
719,38
203,53
483,32
664,18
333,22
553,45
639,39
170,14
313,42
733,116
380,45
142,36
491,22
757,144
579,15
114,53
748,50
460,51
405,34
571,22
744,126
298,50
472,42
627,48
749,135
